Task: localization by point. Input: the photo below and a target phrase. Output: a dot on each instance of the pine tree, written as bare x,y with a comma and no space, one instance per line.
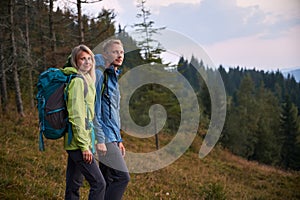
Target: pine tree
242,122
289,132
266,149
151,48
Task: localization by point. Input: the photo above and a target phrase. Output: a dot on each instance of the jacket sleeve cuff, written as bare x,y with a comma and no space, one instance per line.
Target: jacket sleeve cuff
85,148
100,140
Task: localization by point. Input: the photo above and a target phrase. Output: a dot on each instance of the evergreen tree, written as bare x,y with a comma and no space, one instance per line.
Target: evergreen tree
266,149
289,132
190,72
242,124
151,48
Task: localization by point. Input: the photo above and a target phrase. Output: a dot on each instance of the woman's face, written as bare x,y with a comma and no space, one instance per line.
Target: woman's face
84,61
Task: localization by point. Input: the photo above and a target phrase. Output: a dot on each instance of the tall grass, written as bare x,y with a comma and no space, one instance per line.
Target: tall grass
27,173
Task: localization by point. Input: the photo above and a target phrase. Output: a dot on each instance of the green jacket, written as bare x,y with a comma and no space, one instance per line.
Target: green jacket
77,107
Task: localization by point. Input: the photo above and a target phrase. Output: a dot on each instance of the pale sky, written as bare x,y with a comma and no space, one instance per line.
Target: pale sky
264,34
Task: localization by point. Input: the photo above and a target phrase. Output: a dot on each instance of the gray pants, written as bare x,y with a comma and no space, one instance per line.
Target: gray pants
115,172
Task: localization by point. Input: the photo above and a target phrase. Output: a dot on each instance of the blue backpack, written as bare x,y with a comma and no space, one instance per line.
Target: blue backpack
51,103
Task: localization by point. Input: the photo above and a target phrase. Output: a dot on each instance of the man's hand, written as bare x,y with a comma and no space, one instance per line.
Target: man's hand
87,156
122,148
101,148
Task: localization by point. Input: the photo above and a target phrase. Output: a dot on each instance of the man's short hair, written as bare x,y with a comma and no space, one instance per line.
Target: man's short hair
110,42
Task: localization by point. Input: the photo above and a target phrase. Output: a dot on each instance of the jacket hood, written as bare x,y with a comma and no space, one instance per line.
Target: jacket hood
99,61
70,70
68,62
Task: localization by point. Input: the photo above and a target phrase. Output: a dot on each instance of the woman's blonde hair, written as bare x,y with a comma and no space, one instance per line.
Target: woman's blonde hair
75,52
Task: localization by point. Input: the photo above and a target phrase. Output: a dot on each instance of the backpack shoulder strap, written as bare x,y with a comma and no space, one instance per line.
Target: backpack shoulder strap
84,82
105,82
70,78
102,78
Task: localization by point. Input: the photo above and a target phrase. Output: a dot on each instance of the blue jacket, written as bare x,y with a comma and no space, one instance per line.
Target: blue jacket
107,106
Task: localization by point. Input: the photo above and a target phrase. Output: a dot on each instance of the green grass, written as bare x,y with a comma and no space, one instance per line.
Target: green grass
27,173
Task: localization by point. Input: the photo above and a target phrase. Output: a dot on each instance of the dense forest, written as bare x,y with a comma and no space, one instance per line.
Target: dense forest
262,121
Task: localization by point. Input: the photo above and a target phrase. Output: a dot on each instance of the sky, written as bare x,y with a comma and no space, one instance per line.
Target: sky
260,34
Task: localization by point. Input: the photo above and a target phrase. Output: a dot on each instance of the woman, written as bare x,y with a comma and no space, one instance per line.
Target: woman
81,162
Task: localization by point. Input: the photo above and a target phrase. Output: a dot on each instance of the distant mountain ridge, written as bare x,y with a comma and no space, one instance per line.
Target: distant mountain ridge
293,72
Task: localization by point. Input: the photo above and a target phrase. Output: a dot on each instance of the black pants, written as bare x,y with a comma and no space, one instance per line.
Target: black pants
115,172
76,170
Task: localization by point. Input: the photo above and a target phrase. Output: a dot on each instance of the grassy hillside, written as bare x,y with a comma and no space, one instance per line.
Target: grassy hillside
26,173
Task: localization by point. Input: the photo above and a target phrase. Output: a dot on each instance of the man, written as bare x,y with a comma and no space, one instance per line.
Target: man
109,146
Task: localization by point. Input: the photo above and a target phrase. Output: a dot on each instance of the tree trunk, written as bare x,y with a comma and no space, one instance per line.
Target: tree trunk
155,130
28,55
41,35
4,96
80,24
51,31
19,102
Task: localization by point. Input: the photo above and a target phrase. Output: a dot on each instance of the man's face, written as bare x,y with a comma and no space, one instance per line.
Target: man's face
114,55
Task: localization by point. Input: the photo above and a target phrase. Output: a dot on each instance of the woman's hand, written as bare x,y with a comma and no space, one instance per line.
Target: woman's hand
87,156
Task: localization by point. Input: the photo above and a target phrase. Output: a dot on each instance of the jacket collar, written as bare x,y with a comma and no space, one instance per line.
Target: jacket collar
111,70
